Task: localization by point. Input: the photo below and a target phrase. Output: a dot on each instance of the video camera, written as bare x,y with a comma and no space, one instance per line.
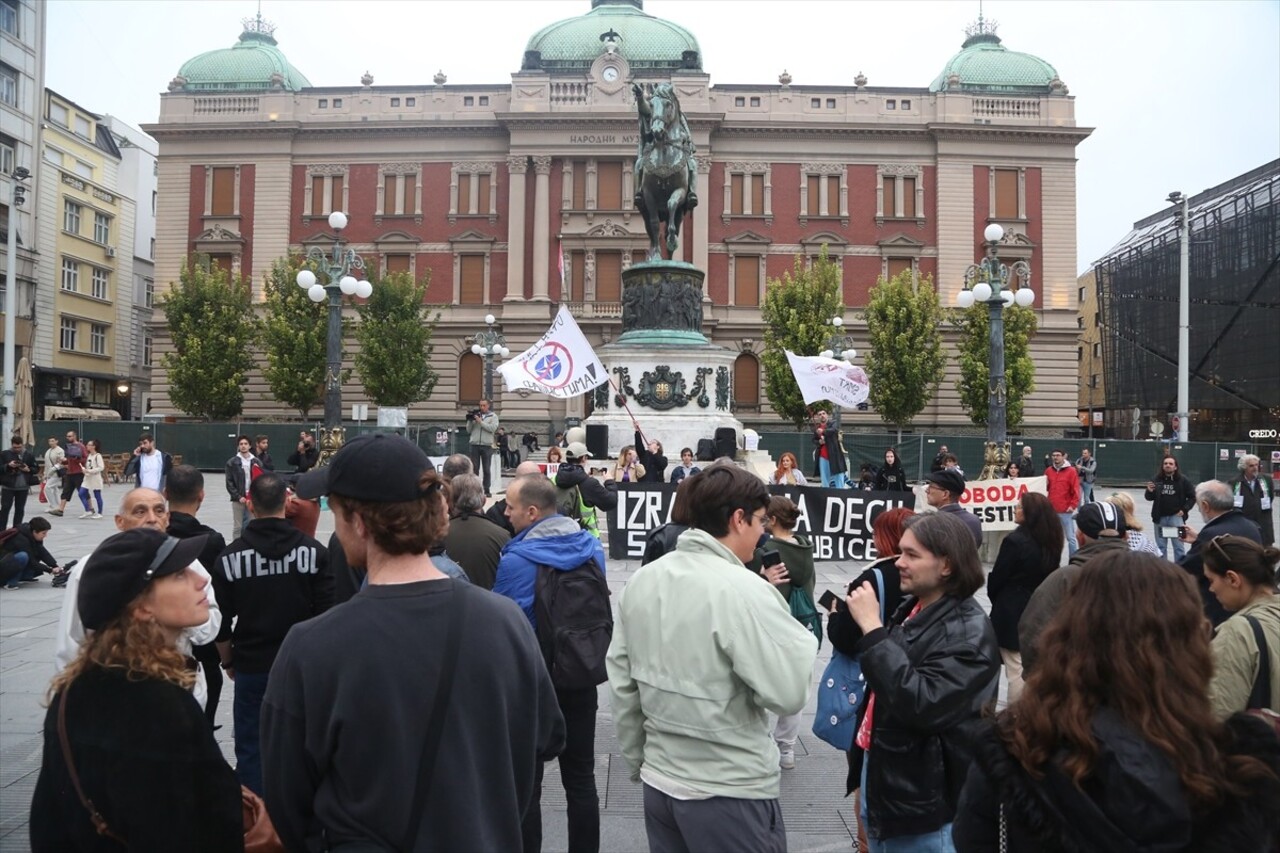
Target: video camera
473,414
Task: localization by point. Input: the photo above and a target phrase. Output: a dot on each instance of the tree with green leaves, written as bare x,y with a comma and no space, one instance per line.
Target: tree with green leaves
294,337
395,335
212,325
905,362
797,316
974,351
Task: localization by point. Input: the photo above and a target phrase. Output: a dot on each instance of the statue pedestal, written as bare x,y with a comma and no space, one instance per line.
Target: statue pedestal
678,384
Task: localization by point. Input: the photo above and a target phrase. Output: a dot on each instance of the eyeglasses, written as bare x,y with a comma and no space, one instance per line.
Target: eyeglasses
1215,542
762,519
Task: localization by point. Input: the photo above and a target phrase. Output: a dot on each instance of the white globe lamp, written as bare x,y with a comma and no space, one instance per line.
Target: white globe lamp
981,292
316,293
347,284
1025,297
306,278
993,233
364,289
965,298
489,319
337,220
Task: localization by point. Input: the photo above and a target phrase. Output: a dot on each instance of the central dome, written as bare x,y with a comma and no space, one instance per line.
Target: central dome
985,65
253,63
645,41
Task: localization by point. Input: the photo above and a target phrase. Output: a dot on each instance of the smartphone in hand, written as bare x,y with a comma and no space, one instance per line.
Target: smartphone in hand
828,600
770,559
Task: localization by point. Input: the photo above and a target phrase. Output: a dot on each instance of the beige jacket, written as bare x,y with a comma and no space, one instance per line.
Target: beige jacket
1235,657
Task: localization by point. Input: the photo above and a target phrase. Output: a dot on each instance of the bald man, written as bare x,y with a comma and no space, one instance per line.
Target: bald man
498,512
140,507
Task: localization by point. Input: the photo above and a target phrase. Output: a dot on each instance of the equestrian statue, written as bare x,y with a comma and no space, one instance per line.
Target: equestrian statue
666,170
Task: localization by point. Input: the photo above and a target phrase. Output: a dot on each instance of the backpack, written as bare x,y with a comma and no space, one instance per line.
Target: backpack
569,504
575,624
6,535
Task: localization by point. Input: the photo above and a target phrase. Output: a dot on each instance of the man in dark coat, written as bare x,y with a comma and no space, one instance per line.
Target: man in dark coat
828,453
473,541
17,474
1221,517
1254,495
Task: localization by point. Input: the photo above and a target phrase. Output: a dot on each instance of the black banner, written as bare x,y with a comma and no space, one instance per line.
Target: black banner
837,521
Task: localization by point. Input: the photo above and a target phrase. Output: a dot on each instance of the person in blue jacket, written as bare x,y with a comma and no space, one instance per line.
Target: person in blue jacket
544,537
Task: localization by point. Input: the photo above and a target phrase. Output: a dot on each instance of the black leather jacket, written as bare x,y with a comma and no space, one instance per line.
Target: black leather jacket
930,677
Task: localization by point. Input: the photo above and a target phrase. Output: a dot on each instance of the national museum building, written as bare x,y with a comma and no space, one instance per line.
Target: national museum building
485,188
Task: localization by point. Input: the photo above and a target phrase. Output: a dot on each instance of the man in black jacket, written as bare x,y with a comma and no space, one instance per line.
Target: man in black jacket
939,461
307,455
595,495
1172,496
184,490
17,473
24,555
1221,517
272,577
260,445
473,540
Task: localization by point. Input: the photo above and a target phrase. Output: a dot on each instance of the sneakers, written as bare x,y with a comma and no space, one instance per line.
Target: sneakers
787,759
55,512
13,585
96,515
86,515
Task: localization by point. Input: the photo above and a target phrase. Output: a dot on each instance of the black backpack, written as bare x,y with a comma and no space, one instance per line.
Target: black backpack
575,624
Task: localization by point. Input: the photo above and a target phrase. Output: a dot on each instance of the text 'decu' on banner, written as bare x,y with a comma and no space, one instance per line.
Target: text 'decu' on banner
993,501
837,521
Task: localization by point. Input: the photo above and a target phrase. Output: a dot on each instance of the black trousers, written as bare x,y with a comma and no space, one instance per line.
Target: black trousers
15,499
577,772
480,457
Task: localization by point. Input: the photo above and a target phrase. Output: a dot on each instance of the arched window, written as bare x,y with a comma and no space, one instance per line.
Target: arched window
746,381
470,379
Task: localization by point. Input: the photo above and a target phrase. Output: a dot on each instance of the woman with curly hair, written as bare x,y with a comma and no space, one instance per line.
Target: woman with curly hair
788,473
1027,556
1114,746
128,754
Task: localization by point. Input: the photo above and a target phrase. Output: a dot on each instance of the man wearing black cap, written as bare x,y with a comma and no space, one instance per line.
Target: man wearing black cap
1099,528
943,491
372,735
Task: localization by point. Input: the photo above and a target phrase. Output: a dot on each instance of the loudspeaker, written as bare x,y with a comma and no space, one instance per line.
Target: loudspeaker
598,440
726,442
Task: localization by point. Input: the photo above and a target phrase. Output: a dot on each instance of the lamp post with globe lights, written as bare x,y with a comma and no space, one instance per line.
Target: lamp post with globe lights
489,344
840,346
1000,286
337,268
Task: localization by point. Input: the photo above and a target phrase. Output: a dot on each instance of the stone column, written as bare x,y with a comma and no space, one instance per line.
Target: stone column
702,216
517,165
541,227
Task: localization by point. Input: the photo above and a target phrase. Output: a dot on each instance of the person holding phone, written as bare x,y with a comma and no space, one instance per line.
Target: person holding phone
17,473
1172,496
629,468
1220,515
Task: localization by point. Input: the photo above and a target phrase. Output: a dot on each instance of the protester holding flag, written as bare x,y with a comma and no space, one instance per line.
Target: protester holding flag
651,457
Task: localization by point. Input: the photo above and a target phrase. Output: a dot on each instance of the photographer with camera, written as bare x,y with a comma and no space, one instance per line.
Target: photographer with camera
307,455
482,426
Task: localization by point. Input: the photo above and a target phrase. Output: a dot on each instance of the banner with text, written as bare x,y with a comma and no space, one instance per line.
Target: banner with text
993,501
837,521
561,364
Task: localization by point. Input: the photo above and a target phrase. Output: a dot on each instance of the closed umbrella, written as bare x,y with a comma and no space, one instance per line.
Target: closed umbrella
23,404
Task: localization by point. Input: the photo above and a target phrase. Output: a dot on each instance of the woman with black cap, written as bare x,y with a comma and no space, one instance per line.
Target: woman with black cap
128,754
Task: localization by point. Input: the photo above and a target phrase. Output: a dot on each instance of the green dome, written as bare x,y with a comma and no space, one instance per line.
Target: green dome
643,40
254,63
985,65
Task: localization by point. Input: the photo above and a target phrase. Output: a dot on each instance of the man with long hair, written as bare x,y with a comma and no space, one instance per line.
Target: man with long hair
413,716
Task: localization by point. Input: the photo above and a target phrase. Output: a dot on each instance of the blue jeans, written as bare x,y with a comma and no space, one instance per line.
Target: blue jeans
1069,530
1179,549
13,568
246,711
1086,492
938,841
829,480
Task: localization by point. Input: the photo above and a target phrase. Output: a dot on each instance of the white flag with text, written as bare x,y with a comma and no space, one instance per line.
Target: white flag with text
561,364
820,378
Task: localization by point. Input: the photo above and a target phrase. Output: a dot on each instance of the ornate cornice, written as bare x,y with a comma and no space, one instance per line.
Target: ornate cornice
327,168
1073,135
399,168
900,171
822,168
482,167
752,166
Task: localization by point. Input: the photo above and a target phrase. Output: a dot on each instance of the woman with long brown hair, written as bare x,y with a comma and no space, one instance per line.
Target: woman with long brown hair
1027,556
128,754
788,473
1113,745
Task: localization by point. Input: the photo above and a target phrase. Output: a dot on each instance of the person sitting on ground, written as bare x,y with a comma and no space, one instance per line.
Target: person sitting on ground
1113,745
788,472
628,468
1027,556
686,468
1242,576
1138,540
136,747
23,557
892,478
1100,529
651,457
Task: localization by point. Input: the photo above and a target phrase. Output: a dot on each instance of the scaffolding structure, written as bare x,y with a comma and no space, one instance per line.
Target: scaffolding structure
1235,310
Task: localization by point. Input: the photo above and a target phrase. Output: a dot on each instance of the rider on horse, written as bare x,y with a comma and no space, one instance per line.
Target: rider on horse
679,134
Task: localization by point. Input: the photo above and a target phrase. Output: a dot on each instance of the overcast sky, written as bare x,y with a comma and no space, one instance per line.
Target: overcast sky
1183,95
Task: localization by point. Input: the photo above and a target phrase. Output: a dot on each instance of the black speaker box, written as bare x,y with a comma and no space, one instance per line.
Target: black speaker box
726,442
598,440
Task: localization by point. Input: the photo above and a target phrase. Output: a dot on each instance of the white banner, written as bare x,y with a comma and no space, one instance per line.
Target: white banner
992,501
827,379
560,364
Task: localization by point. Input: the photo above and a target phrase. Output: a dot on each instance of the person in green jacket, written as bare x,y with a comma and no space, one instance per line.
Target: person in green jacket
702,653
797,557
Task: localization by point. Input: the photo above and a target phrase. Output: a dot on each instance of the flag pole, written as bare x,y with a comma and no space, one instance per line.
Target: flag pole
623,397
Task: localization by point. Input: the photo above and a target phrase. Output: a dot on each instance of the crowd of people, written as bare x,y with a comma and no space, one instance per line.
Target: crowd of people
403,685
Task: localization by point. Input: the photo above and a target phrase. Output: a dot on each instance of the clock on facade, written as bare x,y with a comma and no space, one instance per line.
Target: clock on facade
610,74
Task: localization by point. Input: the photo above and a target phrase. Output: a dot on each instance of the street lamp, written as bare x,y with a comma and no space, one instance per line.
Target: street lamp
337,269
840,346
17,198
1182,218
989,281
488,344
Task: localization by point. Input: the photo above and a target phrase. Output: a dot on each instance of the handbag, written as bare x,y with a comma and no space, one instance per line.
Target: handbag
804,611
840,692
259,833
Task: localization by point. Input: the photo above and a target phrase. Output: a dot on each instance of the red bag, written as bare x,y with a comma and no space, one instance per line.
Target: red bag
43,499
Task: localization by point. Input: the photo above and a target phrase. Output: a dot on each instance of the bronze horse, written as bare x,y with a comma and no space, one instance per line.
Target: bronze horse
666,171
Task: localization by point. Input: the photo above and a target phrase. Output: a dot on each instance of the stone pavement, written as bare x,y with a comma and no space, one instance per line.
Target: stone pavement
817,815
